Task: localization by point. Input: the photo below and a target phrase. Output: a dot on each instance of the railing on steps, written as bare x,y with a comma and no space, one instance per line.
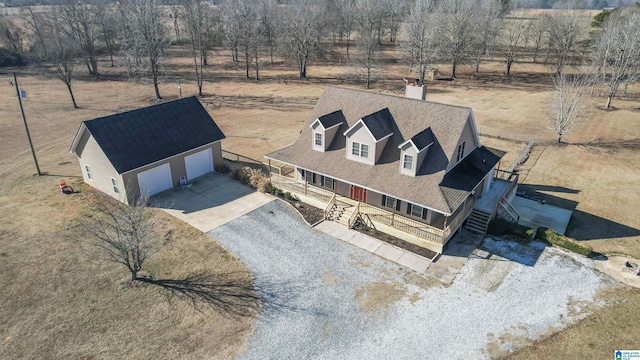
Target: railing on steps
329,206
509,209
402,223
354,216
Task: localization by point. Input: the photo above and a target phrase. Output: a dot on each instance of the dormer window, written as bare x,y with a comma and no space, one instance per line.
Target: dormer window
359,149
324,130
408,162
413,152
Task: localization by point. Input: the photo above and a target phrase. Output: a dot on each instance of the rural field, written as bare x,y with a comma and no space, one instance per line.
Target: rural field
59,302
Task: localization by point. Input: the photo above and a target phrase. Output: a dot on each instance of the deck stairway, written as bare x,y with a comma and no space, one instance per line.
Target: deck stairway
340,213
478,221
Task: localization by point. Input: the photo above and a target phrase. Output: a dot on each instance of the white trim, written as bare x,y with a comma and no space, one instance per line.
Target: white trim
76,139
369,131
330,127
165,159
382,138
362,186
414,145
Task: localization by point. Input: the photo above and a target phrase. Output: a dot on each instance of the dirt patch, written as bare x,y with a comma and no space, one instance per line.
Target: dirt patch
426,253
311,214
377,297
615,266
330,279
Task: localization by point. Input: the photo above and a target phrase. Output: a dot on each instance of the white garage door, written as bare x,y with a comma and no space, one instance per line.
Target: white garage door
199,163
154,180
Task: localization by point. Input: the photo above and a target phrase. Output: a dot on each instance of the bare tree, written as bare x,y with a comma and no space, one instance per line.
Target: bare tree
194,15
63,50
538,35
567,102
458,31
108,29
123,234
487,19
145,36
12,36
368,47
513,36
176,14
617,50
82,24
302,29
269,23
423,27
564,29
34,22
347,21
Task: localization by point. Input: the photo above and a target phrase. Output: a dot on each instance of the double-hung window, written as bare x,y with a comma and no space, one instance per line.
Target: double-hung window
114,184
417,211
407,162
460,151
87,169
361,150
318,139
355,149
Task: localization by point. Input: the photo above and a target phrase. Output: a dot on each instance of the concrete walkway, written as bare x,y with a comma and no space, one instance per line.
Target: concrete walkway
535,214
445,268
375,246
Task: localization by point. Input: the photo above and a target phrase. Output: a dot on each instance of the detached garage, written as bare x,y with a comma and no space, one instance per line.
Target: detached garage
148,150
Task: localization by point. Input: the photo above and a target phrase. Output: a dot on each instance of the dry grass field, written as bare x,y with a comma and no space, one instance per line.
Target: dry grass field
58,303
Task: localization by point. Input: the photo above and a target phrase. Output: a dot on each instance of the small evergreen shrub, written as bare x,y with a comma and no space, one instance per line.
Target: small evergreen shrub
501,227
551,237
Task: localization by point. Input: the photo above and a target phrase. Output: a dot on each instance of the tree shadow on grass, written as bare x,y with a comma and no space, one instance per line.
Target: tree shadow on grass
233,293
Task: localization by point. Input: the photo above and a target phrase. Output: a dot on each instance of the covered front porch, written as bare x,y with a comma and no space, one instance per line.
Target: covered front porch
433,233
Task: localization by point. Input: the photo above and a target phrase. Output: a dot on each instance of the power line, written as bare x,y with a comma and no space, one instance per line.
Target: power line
26,127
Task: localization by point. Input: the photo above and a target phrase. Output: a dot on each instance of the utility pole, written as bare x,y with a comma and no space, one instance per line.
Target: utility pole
24,119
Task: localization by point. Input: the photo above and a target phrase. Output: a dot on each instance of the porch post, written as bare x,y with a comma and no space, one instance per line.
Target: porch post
393,212
305,184
270,170
445,222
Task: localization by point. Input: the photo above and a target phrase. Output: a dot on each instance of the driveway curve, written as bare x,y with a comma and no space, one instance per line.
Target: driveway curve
331,300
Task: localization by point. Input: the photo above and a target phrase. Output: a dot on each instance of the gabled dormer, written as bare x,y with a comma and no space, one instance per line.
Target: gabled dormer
366,139
324,130
414,151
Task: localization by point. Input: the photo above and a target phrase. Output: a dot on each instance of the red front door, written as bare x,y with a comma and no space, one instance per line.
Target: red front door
358,193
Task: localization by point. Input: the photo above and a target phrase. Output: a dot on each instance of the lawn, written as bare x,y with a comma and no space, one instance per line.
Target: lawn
58,302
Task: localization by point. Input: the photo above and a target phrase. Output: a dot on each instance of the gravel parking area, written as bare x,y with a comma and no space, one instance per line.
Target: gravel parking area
328,299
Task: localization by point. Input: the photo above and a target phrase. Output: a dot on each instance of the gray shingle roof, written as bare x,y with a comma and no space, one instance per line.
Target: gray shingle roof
423,138
409,117
332,119
139,137
460,181
379,123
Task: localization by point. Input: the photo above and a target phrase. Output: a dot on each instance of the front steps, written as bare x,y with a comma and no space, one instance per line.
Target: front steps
478,221
341,213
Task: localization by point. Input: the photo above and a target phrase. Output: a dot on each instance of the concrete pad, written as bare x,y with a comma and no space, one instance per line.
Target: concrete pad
213,200
337,230
535,214
389,252
414,262
366,242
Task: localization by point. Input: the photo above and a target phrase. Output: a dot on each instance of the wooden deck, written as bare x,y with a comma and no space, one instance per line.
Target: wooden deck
489,200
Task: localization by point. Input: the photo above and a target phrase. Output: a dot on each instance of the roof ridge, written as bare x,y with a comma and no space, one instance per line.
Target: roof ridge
398,96
146,107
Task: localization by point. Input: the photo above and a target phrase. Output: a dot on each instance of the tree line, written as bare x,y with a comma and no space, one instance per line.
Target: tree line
422,33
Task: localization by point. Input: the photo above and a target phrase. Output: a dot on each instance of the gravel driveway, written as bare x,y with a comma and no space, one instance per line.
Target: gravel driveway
328,299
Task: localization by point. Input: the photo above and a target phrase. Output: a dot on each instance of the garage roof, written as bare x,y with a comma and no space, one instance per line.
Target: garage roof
139,137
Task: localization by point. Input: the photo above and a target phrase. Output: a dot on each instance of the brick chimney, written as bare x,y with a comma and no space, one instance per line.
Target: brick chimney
415,90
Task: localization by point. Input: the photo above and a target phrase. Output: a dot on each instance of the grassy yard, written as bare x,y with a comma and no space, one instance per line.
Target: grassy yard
57,302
